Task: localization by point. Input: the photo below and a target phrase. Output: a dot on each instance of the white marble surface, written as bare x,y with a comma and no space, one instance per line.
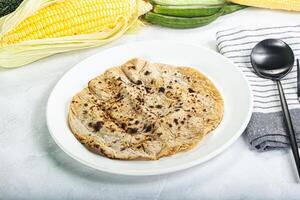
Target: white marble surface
32,166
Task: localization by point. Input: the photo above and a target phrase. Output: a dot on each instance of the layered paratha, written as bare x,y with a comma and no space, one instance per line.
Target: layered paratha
144,110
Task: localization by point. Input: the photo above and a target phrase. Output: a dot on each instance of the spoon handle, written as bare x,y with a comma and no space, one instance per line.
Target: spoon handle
298,80
289,125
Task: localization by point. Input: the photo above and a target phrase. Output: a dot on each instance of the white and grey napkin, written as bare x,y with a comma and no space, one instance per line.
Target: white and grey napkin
266,130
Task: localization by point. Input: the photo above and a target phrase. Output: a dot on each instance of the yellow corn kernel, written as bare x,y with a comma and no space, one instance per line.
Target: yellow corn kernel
293,5
67,18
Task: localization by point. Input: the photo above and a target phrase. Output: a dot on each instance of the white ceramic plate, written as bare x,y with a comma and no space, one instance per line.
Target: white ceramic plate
228,79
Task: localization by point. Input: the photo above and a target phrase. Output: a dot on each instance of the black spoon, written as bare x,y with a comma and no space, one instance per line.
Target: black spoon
274,59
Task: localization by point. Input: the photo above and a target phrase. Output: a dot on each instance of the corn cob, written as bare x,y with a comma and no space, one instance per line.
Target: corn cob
63,25
293,5
67,18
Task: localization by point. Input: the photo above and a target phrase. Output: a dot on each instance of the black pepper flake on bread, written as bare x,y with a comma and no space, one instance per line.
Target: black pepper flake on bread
148,128
97,126
144,110
139,82
162,89
176,121
140,99
119,97
148,89
123,125
191,90
147,73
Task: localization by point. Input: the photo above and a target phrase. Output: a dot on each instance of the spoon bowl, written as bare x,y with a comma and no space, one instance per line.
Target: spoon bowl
272,59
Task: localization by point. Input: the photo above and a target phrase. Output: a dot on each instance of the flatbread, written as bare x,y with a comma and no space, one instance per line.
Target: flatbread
144,110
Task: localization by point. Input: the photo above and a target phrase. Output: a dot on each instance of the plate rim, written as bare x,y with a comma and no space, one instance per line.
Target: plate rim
181,167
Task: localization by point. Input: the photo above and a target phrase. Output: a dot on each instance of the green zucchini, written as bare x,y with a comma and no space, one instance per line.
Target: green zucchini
8,6
186,11
181,22
188,2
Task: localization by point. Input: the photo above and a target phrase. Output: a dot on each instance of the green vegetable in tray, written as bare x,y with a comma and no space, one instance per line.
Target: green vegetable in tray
181,22
188,2
8,6
187,11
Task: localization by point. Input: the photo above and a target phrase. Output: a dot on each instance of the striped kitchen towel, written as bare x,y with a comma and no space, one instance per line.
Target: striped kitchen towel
266,130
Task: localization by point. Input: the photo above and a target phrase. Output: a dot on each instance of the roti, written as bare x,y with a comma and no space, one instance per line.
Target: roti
144,110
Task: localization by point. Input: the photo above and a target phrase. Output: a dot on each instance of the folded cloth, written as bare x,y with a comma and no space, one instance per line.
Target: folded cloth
266,129
293,5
